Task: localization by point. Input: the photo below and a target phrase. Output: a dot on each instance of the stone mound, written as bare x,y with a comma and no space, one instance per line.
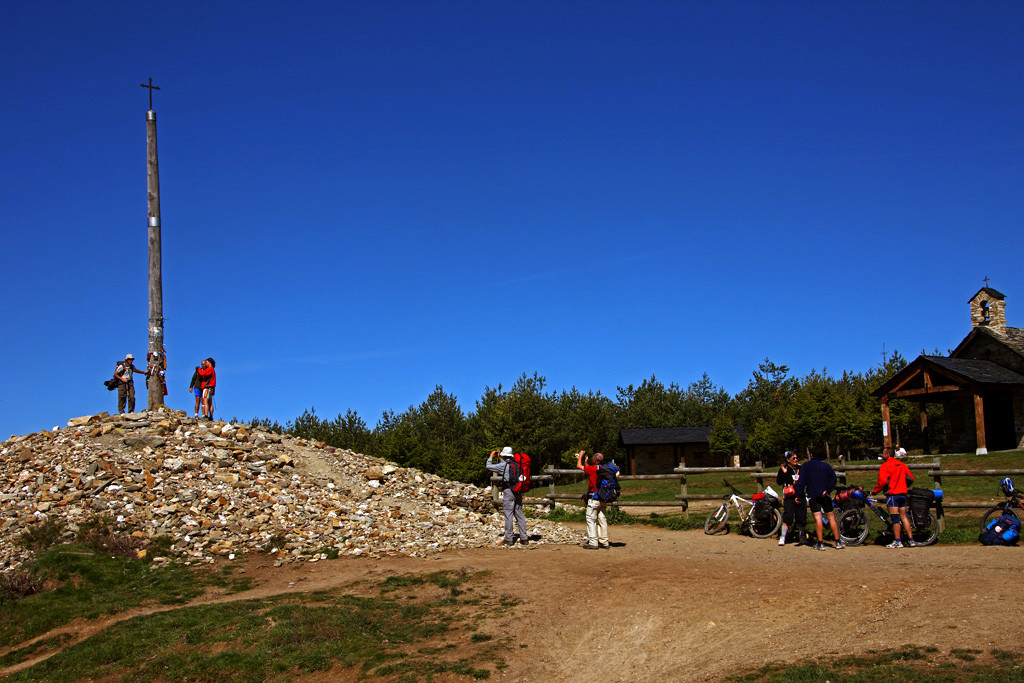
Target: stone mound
216,489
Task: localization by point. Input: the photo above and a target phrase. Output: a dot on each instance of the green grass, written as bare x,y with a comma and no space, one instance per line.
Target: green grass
296,634
91,585
908,664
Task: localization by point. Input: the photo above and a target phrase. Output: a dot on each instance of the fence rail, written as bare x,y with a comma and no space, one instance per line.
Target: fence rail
552,476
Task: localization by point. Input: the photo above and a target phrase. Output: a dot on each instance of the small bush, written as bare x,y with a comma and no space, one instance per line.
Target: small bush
15,585
43,536
100,535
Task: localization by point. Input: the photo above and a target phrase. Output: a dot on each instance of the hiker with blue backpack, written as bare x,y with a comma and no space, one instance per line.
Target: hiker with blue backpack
514,479
603,488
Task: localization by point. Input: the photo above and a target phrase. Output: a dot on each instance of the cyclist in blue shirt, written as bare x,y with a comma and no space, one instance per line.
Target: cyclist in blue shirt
817,479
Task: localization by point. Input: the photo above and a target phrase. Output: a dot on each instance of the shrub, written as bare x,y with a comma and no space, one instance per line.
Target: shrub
43,536
15,585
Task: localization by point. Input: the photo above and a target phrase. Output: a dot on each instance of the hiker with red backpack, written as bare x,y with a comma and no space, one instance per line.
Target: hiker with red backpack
602,488
515,480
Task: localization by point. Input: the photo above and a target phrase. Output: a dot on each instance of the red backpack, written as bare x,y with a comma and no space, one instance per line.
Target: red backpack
520,468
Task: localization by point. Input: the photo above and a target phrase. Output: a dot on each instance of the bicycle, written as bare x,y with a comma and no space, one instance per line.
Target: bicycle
1006,508
854,523
719,519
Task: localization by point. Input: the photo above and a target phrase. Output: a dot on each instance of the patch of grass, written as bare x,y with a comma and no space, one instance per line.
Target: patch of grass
481,637
443,579
34,650
279,638
90,584
907,664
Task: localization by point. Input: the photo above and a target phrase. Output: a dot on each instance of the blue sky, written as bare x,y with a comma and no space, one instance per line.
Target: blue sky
362,200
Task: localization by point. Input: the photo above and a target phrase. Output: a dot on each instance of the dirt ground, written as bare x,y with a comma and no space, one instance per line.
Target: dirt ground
668,605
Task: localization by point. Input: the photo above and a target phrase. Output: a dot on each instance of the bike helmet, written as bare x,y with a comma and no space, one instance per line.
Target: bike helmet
1007,486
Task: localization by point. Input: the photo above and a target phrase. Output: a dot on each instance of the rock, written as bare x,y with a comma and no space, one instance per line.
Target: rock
174,464
149,441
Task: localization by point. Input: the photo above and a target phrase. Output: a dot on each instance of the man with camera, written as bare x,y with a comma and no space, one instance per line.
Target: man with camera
511,496
597,521
125,373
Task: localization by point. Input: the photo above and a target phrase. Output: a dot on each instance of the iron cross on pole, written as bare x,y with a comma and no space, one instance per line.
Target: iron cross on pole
986,280
151,89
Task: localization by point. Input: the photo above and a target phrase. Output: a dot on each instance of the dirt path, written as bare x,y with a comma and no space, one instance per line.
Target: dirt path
685,606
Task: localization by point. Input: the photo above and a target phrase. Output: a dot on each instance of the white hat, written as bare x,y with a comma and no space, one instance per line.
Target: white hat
506,452
129,357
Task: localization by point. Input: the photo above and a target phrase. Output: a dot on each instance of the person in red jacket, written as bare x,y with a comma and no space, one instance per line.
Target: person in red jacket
209,383
894,477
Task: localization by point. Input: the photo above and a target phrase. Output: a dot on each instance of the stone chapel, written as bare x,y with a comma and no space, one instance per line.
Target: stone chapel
980,384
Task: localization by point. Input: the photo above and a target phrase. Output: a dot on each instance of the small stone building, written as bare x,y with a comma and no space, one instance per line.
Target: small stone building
659,450
980,384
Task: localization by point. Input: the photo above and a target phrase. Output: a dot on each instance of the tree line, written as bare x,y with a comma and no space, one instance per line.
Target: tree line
819,412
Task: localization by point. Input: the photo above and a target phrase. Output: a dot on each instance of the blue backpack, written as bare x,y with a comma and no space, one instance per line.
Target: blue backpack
607,484
1001,531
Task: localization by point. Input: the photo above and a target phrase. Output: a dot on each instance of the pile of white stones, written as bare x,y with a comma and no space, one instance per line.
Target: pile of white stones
212,489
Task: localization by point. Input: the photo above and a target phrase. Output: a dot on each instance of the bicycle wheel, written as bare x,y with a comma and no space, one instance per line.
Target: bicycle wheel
925,534
853,526
767,527
717,520
996,512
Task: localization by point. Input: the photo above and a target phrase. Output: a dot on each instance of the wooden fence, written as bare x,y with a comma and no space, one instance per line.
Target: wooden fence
757,473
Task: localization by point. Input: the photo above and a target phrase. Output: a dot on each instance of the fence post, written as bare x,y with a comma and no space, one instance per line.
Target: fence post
551,486
684,494
937,482
760,479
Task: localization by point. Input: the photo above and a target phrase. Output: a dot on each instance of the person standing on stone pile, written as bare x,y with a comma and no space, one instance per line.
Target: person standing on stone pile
195,387
209,376
125,373
512,500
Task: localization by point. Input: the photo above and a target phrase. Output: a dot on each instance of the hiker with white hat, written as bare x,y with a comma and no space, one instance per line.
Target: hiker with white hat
512,500
124,372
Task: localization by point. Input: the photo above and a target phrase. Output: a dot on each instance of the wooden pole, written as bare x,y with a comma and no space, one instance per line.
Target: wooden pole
155,359
924,428
886,423
979,422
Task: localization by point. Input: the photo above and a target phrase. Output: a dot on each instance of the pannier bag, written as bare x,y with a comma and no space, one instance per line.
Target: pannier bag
920,502
849,499
763,510
772,497
1001,531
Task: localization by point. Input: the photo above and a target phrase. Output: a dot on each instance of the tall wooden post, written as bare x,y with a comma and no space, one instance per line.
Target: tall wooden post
886,423
979,422
155,359
925,431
